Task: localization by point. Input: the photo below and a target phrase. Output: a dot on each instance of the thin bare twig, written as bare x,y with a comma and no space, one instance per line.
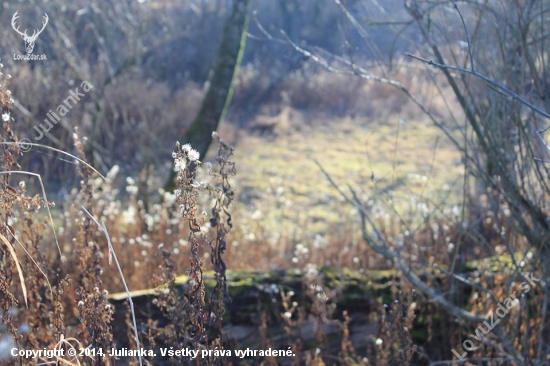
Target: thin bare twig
488,80
455,5
394,256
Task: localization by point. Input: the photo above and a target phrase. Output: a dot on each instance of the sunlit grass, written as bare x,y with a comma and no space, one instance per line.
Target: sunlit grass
393,160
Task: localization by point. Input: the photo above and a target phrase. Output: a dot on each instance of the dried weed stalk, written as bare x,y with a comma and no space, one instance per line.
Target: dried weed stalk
194,317
223,197
398,348
95,310
8,263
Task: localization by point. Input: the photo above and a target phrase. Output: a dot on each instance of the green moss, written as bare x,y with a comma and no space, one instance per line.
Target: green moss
499,263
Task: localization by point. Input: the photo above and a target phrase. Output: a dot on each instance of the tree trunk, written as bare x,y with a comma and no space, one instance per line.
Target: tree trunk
219,93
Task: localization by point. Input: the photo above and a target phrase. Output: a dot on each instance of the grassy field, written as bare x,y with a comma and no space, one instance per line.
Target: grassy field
410,166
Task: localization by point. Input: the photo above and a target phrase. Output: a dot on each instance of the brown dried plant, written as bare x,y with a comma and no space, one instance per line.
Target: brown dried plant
8,259
220,221
195,318
95,311
398,348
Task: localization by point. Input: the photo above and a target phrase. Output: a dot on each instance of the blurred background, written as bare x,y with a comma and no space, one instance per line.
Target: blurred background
418,127
151,62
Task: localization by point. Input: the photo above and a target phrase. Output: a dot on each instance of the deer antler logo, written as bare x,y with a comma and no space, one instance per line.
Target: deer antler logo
29,40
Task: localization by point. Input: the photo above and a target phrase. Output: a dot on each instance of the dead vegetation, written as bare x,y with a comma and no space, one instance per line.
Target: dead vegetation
69,302
384,221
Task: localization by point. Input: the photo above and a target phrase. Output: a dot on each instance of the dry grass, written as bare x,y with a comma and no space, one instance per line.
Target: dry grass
285,215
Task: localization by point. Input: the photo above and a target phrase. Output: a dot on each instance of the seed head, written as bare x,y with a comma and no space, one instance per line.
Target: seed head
193,155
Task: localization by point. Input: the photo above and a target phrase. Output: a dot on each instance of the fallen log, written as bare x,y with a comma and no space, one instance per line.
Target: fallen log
257,301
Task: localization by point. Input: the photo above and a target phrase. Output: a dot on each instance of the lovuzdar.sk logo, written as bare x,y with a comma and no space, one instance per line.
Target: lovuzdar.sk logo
29,40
